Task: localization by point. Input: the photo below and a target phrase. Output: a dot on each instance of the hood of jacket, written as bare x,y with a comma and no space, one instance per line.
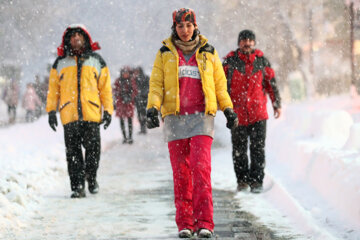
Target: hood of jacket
93,45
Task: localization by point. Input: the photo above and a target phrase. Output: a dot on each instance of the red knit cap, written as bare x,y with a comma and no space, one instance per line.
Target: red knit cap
184,14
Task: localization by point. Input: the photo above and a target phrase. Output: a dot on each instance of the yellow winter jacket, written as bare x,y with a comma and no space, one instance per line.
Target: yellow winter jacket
164,80
83,87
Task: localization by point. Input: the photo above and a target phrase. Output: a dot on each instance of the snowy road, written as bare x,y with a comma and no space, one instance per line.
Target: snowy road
136,199
130,203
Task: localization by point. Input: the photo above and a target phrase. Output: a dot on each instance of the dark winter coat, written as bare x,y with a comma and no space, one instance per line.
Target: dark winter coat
250,77
142,83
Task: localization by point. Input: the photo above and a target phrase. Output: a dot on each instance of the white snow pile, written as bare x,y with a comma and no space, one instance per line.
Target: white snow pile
30,160
314,151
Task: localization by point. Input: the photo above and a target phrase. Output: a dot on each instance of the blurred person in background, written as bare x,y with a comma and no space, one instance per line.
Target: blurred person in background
11,97
188,84
250,77
37,87
80,82
30,102
43,91
125,91
142,83
41,88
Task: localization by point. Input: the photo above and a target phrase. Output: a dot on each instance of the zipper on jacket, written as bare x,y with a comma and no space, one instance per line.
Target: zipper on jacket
79,66
177,99
202,73
204,64
247,96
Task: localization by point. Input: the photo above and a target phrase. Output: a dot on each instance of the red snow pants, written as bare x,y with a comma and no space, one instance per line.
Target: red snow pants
191,163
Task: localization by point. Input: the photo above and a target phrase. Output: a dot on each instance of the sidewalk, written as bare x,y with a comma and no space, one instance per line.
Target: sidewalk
135,201
148,212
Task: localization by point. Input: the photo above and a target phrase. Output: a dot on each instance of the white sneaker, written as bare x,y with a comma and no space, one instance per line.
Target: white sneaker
205,233
185,233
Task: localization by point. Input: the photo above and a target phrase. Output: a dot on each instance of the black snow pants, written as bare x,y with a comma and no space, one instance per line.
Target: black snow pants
141,113
256,133
78,134
123,128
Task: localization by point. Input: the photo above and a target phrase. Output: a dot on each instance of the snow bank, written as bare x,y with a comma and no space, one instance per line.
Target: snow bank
318,144
31,157
32,163
353,142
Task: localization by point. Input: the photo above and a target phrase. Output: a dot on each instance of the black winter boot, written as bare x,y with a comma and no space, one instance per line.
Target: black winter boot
94,187
78,193
256,187
242,186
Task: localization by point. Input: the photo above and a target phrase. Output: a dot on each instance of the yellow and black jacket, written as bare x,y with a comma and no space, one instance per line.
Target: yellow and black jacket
80,86
164,80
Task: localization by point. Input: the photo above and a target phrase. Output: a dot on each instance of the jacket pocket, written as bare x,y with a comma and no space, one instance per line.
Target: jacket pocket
64,105
96,105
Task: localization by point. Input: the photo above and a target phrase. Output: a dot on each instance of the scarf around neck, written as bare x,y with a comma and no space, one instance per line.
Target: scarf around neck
187,47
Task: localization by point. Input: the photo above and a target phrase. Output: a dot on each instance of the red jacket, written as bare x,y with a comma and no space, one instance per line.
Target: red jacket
250,77
124,91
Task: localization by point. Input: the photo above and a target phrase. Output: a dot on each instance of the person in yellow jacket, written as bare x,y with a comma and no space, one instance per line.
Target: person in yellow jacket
188,84
80,87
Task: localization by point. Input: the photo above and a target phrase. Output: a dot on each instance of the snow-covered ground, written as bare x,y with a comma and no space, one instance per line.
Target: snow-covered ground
313,159
312,180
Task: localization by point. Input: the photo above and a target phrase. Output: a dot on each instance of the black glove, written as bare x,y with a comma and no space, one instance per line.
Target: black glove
152,118
232,119
106,119
52,120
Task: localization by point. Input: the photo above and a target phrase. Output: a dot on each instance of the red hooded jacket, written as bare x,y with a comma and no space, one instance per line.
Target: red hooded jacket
93,45
250,77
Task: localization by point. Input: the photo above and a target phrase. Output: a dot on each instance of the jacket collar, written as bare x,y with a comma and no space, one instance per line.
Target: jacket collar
249,57
169,44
